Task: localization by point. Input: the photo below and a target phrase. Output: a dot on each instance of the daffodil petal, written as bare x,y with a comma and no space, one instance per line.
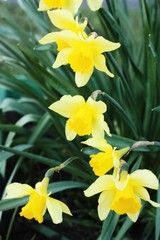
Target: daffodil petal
70,134
18,190
154,204
55,210
65,209
62,58
49,38
133,217
102,183
106,128
67,105
142,193
61,18
42,6
73,5
98,130
104,203
82,79
99,143
144,178
94,5
105,45
101,106
100,64
41,187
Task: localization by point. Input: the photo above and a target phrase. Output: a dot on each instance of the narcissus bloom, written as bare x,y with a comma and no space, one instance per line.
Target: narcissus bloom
39,201
85,117
123,193
94,5
83,53
104,161
71,5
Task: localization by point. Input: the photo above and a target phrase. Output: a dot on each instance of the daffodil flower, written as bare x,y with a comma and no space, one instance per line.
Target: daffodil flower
105,160
85,117
39,201
82,53
94,5
71,5
123,193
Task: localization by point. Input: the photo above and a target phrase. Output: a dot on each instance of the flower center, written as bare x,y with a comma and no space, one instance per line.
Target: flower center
81,122
80,63
55,3
125,202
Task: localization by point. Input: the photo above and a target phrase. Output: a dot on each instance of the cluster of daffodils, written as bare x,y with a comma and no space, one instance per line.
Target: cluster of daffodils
119,191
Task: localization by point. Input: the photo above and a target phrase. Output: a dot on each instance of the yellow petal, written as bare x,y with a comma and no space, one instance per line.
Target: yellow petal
70,134
42,6
41,187
82,79
49,38
105,201
144,178
119,153
106,128
63,19
104,45
73,5
94,5
62,58
133,216
100,64
142,193
55,209
99,143
102,183
18,190
98,130
67,105
99,105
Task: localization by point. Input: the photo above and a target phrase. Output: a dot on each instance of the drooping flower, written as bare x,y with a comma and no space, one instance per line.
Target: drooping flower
94,5
104,161
83,53
71,5
123,193
39,201
85,117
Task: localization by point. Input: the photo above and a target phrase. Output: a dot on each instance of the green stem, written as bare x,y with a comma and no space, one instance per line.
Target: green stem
11,224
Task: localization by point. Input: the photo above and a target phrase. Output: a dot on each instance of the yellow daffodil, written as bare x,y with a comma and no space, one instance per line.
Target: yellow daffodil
85,117
104,161
94,5
123,193
71,5
82,53
39,201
